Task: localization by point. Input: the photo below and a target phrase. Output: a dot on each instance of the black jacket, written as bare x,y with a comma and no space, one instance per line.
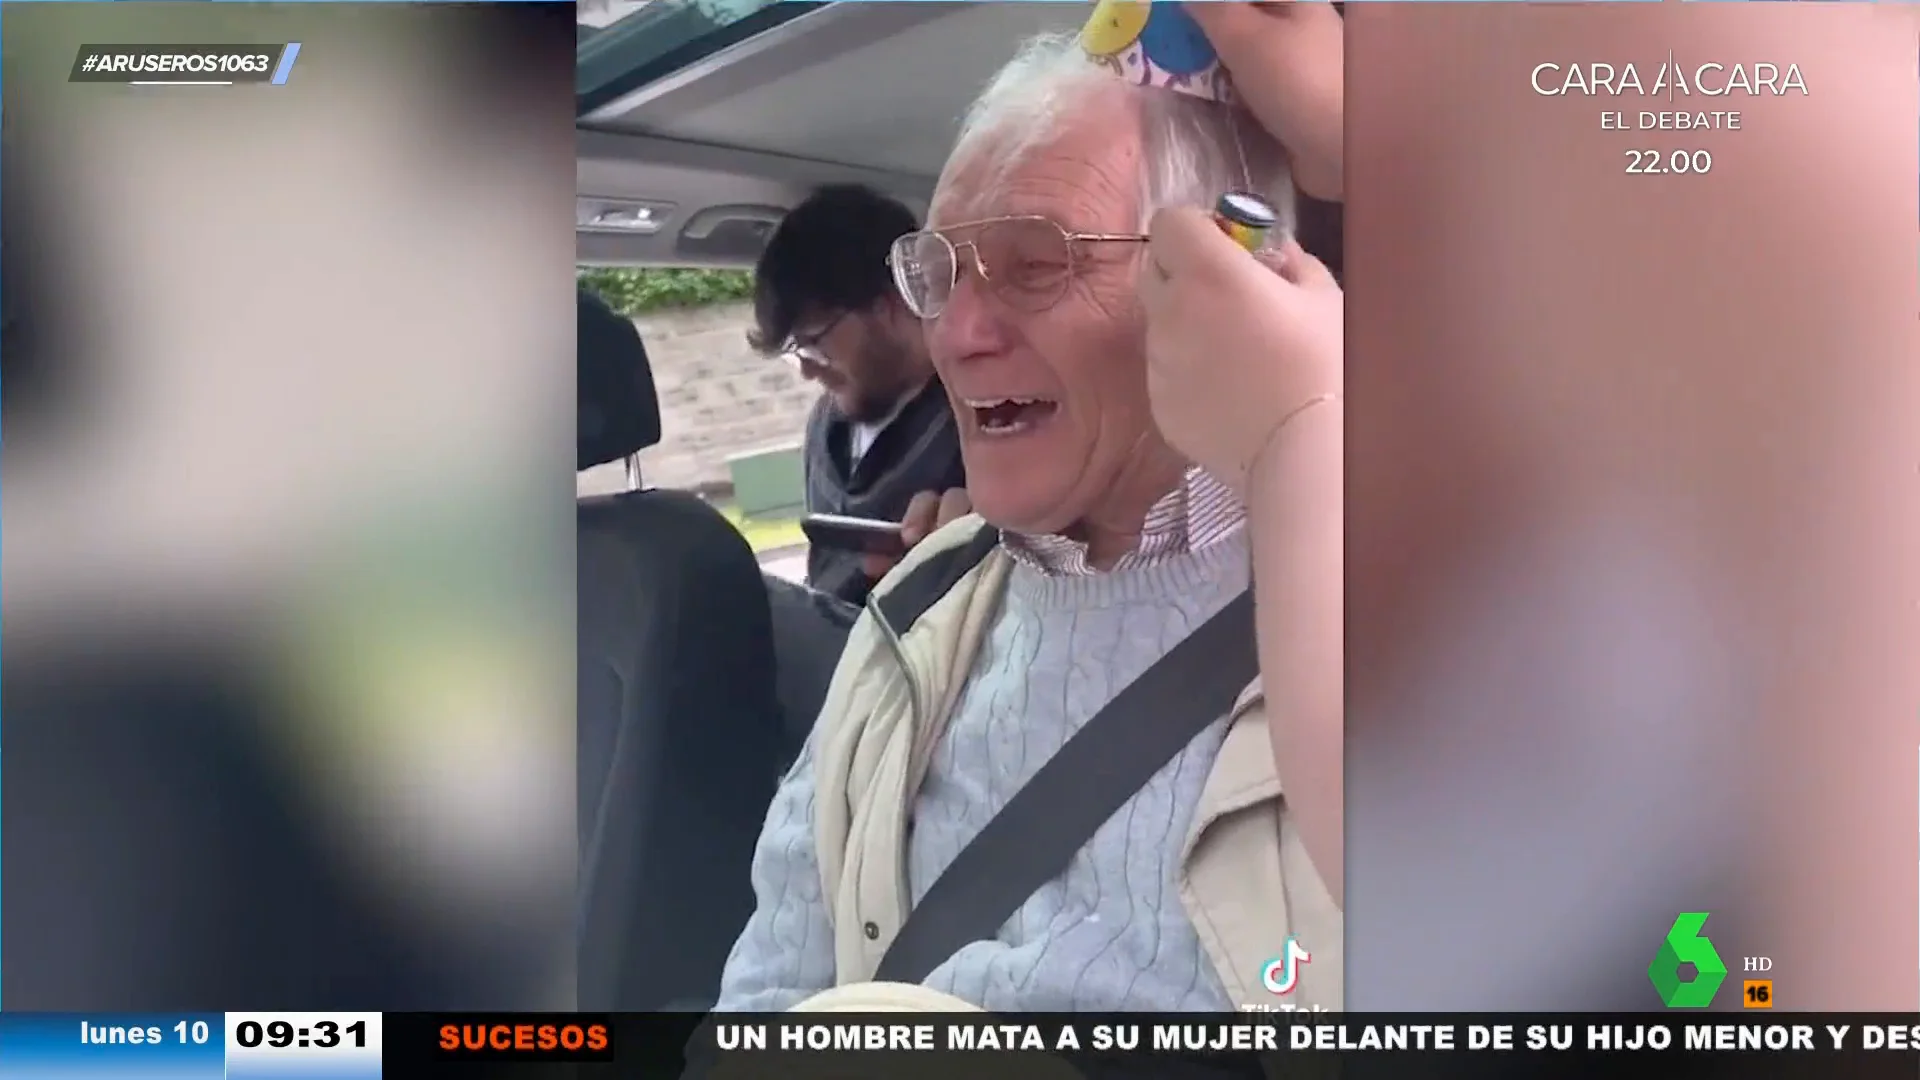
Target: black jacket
918,451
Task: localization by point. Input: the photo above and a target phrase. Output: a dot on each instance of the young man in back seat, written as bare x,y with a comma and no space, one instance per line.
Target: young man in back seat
882,431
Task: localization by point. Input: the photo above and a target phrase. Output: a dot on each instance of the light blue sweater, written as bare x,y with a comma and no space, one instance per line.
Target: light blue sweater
1110,933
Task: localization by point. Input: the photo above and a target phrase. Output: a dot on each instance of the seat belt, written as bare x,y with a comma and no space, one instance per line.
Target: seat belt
1034,837
925,584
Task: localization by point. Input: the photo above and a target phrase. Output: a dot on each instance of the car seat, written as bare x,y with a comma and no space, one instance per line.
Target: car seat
680,737
810,631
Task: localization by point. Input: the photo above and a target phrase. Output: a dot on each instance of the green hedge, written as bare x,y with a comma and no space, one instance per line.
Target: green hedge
633,292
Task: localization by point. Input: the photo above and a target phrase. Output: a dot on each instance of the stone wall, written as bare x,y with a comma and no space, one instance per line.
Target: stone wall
717,398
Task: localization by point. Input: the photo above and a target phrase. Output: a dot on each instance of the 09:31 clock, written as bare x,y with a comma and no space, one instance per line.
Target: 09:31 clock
324,1034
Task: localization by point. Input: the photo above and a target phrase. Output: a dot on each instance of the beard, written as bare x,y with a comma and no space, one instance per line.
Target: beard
877,382
864,407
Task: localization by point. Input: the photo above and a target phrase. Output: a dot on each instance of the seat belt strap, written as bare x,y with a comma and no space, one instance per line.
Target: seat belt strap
933,578
1034,837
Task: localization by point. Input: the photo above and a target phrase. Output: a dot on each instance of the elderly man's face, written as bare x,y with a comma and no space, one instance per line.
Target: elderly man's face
1086,440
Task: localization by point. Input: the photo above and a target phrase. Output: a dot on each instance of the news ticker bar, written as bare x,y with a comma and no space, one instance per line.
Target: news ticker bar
185,65
363,1046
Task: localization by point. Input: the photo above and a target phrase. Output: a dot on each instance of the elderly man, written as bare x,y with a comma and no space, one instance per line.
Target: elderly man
916,840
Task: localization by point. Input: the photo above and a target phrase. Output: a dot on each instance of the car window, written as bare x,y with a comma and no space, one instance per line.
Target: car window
732,421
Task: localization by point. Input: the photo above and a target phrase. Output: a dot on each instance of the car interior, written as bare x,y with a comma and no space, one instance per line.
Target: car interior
700,122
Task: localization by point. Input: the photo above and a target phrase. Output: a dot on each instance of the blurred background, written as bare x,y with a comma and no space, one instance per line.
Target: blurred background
288,570
1633,594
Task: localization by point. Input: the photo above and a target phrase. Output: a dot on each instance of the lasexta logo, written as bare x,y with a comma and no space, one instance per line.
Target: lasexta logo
1685,944
1282,976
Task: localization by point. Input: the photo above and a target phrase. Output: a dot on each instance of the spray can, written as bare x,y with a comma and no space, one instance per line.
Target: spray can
1245,217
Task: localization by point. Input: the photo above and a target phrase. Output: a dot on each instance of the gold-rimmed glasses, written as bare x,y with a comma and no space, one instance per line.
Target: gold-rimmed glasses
1026,260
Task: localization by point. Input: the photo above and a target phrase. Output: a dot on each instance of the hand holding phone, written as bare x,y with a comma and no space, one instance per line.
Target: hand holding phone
865,535
885,542
930,510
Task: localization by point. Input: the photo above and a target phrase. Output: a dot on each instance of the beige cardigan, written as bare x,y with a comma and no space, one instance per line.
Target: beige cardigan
1245,878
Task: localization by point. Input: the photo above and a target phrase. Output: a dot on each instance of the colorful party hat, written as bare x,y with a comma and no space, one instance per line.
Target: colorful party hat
1155,44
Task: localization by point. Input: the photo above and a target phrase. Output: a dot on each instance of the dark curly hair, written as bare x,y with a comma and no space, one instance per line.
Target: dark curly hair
828,255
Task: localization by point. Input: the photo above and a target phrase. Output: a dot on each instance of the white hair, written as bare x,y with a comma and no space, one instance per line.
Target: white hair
1194,150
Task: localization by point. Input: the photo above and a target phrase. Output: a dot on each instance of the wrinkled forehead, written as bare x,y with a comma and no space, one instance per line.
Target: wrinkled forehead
966,184
1084,170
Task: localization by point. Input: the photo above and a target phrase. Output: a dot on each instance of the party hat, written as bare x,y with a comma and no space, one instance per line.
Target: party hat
1155,44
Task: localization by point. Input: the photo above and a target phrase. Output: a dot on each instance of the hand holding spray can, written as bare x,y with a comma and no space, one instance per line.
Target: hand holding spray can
1248,219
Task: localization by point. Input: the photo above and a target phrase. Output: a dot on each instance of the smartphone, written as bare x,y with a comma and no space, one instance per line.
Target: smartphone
866,535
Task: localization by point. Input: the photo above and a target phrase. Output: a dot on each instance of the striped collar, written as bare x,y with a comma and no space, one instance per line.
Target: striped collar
1194,516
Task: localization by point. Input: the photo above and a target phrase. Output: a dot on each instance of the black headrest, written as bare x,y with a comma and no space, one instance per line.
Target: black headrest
619,412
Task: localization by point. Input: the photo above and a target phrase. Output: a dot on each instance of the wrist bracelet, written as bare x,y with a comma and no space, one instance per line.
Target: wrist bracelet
1300,408
1273,436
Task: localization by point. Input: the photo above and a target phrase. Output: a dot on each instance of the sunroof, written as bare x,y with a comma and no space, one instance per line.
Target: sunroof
626,44
600,14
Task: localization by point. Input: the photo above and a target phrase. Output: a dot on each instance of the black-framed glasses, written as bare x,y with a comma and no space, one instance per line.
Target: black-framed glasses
1026,260
803,346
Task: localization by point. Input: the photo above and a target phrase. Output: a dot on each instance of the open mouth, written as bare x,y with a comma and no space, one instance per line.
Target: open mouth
1010,416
